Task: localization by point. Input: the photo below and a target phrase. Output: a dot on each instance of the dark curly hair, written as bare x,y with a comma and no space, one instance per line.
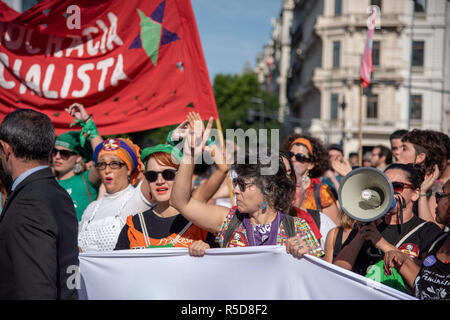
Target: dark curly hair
278,190
430,143
415,173
319,157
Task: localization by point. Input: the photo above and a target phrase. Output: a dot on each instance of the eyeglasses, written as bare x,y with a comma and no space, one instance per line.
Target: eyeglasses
113,165
440,195
64,154
241,183
400,186
167,174
299,157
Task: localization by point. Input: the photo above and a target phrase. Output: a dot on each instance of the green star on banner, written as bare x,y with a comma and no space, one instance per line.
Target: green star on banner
150,36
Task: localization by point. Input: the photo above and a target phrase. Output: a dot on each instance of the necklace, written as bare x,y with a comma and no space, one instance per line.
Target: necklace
126,197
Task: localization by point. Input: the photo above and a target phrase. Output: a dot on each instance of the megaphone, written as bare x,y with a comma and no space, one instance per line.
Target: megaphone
366,194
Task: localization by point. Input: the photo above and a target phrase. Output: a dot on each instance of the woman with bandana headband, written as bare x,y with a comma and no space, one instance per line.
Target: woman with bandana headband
310,160
118,163
163,225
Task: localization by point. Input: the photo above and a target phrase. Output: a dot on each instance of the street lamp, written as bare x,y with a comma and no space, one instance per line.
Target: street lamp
343,105
261,110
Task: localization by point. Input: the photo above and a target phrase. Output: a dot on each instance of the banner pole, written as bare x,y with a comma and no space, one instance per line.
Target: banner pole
360,123
222,141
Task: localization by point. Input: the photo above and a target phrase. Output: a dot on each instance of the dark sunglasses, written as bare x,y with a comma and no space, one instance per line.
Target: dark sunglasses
400,186
299,157
64,154
241,183
168,175
113,165
440,195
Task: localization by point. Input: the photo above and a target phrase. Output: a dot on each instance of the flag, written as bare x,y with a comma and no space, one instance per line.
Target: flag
366,64
7,13
135,65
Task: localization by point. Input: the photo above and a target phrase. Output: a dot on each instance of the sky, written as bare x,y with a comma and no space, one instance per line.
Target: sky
232,32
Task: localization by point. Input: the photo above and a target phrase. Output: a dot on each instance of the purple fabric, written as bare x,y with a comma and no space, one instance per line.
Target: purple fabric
263,235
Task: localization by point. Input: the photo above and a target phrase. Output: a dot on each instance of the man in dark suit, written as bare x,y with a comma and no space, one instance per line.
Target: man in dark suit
38,224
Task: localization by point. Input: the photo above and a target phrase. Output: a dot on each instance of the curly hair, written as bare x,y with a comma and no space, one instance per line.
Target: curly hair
319,157
278,189
430,143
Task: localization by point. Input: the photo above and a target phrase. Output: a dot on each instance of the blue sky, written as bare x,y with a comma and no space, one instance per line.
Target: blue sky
233,31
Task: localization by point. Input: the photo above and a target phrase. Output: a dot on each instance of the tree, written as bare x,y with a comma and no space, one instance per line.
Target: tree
234,93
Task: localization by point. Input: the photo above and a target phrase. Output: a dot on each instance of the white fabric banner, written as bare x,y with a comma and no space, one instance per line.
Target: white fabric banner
252,273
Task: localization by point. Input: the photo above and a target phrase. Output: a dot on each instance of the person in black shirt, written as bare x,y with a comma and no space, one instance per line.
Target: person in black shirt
367,243
431,281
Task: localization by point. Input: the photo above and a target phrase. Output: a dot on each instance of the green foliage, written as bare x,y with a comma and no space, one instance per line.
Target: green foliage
234,95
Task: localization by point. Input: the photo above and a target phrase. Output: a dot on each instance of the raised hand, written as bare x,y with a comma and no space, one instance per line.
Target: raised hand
341,167
429,180
77,111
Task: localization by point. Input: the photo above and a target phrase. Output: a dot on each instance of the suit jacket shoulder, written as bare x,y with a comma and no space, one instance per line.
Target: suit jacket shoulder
38,240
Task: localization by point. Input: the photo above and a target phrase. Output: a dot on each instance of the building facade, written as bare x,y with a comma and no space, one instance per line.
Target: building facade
410,80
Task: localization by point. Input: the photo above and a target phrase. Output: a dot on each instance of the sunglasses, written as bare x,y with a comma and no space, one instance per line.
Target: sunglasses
440,195
113,165
64,154
400,186
167,174
241,183
299,157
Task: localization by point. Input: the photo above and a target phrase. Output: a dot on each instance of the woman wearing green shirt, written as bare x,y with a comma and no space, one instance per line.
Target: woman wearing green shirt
71,150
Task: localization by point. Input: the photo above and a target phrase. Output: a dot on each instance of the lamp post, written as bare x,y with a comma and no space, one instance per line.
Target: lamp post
261,110
343,105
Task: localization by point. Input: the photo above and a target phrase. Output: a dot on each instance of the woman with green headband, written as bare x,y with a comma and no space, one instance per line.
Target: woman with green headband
163,225
70,153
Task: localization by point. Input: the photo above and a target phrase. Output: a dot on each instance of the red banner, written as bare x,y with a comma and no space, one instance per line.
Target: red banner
135,65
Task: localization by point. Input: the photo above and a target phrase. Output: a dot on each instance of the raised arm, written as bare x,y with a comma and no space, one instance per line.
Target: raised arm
208,189
206,216
81,116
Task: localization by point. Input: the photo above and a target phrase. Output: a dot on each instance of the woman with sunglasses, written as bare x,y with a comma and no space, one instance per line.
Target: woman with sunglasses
319,222
119,165
310,161
71,151
398,230
162,225
259,217
431,279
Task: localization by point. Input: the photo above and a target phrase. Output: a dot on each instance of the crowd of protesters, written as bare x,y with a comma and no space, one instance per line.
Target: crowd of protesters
127,198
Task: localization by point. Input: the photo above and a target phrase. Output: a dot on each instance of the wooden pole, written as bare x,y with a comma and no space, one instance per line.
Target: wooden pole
222,141
360,123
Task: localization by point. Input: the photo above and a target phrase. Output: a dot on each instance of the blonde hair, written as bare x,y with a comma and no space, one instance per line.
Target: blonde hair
344,220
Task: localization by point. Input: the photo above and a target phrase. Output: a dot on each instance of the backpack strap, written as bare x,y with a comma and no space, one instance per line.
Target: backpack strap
409,234
442,236
317,196
235,222
315,214
288,225
144,229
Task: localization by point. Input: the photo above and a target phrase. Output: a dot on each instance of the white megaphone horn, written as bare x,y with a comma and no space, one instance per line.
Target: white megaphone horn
366,194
